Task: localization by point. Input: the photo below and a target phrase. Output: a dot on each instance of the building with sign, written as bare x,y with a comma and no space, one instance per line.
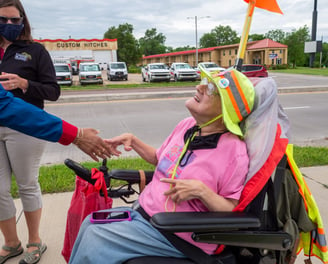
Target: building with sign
101,51
266,51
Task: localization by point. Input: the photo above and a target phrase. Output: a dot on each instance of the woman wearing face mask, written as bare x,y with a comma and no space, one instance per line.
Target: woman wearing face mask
28,73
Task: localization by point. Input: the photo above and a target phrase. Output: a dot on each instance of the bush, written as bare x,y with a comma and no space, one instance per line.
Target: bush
278,67
134,69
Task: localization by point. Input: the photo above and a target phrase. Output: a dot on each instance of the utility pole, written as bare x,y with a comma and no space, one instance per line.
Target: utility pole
196,34
314,31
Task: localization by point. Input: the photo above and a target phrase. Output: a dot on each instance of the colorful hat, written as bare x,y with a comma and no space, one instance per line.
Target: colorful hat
237,96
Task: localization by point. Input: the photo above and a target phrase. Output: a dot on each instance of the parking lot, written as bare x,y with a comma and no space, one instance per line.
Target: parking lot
133,78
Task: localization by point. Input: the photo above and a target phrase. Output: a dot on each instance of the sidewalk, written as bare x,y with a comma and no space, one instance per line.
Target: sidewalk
55,208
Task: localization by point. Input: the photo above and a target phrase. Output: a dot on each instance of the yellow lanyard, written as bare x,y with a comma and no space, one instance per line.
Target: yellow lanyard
184,150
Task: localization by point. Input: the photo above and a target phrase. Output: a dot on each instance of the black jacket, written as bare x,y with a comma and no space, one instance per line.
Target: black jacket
32,61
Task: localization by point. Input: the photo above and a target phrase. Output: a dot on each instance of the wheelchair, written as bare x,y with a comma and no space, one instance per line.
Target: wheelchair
251,236
258,231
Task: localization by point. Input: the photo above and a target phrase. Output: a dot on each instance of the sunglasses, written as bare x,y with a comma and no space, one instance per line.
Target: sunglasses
14,20
211,88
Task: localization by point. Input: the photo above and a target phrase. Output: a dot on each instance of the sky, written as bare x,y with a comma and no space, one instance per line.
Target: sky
175,19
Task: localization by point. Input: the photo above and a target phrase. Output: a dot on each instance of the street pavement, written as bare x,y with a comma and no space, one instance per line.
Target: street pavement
55,206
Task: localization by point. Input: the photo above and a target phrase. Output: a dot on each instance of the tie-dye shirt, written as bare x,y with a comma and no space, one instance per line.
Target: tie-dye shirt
223,169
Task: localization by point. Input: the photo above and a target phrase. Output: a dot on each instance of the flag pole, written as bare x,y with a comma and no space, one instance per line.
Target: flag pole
244,36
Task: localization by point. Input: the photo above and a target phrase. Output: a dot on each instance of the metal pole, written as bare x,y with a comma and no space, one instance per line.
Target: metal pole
321,53
196,42
196,36
314,31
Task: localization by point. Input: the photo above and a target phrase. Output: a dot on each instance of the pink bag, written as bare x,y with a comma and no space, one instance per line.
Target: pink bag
86,199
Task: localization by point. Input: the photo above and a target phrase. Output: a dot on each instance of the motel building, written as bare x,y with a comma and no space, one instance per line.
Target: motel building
266,51
101,51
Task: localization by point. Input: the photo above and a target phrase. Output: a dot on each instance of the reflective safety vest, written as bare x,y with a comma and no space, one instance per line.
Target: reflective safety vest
314,242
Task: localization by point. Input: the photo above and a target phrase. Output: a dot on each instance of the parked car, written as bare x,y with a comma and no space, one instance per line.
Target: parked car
181,71
210,66
117,71
63,74
197,72
90,73
155,72
254,70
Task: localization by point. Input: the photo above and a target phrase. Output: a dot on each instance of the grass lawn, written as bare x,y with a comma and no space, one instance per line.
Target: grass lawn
305,70
127,86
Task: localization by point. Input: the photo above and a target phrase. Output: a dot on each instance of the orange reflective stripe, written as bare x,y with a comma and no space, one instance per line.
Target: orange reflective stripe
242,95
234,103
321,231
321,248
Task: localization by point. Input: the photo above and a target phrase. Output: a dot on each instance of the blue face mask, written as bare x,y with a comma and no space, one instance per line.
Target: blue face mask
11,31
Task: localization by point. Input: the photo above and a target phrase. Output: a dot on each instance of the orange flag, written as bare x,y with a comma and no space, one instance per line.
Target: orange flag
270,5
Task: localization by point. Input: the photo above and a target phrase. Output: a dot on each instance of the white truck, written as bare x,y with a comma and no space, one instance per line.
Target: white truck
155,72
181,71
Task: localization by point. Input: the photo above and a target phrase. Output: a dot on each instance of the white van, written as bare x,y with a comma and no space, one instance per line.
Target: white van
117,71
63,74
89,72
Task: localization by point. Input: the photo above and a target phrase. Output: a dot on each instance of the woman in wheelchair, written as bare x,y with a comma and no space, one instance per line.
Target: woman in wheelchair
200,167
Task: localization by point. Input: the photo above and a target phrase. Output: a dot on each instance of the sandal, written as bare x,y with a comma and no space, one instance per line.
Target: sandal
35,255
13,252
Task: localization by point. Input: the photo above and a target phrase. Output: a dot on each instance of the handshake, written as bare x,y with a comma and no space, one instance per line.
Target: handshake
88,141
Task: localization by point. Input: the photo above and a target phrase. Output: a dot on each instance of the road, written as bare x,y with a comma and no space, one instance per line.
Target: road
153,119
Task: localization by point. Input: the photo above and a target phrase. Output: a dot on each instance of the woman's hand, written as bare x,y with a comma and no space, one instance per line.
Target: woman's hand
124,139
183,190
131,142
12,81
89,142
188,189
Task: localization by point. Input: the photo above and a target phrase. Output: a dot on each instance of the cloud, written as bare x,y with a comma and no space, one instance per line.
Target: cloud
92,18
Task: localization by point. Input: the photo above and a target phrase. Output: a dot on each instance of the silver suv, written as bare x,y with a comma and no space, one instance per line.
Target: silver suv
181,71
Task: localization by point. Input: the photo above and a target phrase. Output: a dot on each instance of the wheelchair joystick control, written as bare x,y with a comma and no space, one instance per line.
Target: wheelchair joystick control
104,169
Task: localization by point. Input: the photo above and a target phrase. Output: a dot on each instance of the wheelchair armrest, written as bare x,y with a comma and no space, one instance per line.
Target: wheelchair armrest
204,221
131,176
226,228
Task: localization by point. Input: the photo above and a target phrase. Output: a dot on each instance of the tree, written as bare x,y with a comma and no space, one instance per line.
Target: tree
254,37
208,40
152,43
295,41
276,35
128,48
220,35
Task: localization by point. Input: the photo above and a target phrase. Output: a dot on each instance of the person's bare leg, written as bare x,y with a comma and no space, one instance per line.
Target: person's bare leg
33,224
9,231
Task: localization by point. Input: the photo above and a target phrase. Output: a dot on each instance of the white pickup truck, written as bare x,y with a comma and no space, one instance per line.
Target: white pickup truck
155,72
181,71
